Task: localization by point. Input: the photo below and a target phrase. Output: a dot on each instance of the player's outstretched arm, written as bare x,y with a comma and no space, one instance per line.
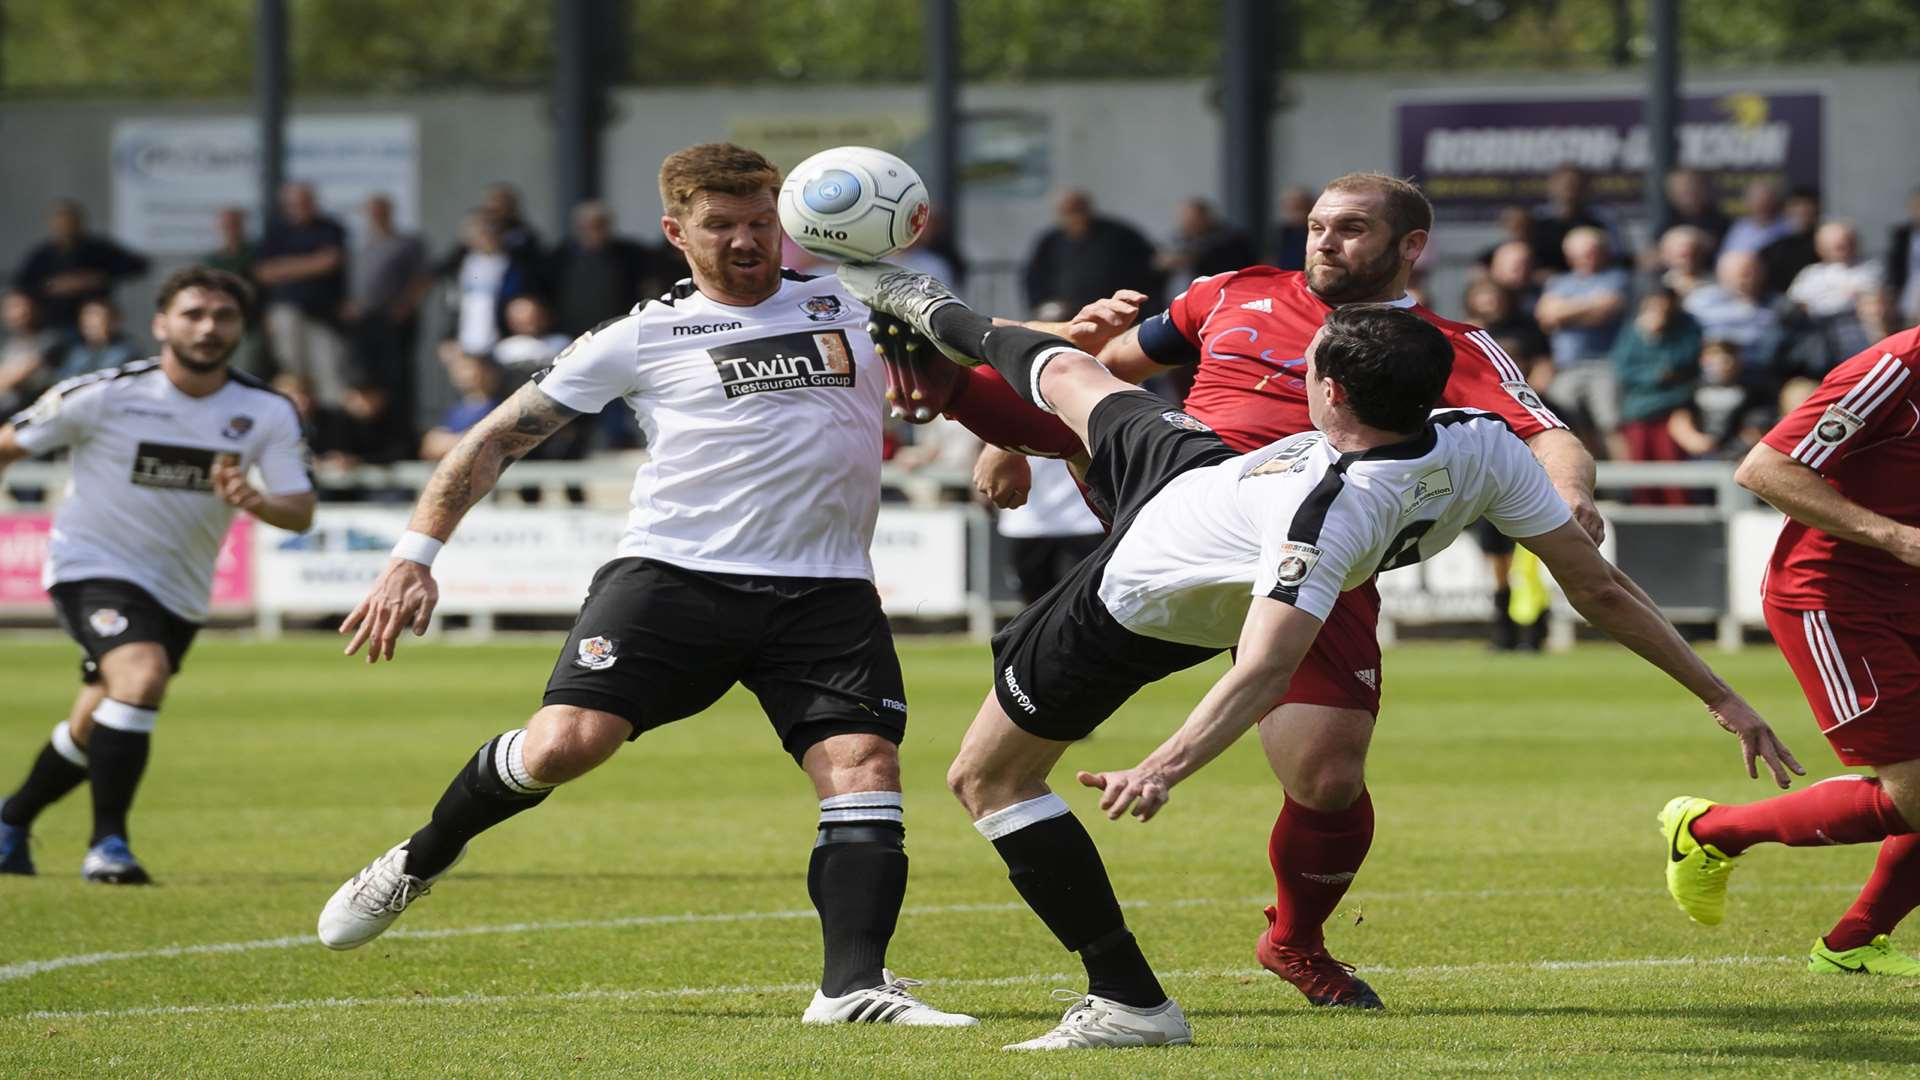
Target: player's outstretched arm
1803,495
405,593
1273,640
1611,601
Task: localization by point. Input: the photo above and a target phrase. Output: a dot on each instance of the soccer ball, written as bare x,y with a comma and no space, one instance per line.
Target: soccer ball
853,204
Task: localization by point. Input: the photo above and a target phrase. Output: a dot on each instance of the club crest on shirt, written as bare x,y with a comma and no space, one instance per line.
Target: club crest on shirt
597,654
1182,420
822,308
1523,393
107,622
1437,484
237,427
1297,560
1836,426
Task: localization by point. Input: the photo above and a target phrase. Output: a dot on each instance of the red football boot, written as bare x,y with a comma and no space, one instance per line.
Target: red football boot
1314,972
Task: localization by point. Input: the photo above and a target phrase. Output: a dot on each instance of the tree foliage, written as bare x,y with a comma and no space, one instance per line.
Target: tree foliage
205,46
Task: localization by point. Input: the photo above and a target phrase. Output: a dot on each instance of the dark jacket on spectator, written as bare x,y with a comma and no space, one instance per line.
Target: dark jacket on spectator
319,297
1075,272
590,287
88,253
1899,252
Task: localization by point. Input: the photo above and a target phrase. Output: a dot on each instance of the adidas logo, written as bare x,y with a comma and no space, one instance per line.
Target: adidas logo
1264,305
1369,676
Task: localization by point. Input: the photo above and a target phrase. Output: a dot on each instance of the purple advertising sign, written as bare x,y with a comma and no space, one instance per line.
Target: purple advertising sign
1473,157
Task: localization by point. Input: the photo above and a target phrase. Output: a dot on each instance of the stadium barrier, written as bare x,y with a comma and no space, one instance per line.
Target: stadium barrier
530,550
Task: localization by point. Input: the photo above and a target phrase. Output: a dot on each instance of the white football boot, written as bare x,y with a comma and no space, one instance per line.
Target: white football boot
367,904
889,1003
907,295
1094,1022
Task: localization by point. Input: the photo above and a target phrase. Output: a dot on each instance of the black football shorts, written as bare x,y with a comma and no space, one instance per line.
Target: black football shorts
102,614
655,643
1064,665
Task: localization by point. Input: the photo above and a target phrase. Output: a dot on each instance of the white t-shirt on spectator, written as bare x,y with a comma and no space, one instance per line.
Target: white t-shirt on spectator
1826,289
478,329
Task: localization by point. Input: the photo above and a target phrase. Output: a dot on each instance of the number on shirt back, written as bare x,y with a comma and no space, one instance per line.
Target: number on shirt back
1405,548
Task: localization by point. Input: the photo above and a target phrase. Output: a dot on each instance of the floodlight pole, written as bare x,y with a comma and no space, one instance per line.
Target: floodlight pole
1663,111
270,99
1249,59
577,93
943,110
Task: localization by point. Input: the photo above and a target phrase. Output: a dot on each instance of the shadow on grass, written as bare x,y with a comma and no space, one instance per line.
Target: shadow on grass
1729,1033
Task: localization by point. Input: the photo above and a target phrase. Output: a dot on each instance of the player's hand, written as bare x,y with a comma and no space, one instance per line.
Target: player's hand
1143,790
1588,515
1103,320
230,483
1002,478
1757,740
404,596
920,381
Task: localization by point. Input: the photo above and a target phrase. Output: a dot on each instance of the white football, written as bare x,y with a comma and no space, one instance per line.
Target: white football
853,204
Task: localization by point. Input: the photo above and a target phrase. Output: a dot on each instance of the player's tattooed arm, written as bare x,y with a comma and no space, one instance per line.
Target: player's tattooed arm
473,466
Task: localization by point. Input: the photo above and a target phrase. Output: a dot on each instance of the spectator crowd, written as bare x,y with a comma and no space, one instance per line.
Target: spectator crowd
1686,349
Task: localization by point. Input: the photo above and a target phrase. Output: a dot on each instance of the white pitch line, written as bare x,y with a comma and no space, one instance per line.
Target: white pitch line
28,968
415,1001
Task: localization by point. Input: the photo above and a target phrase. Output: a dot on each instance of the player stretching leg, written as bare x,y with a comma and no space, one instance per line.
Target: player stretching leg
1213,550
1245,336
161,450
1841,593
745,560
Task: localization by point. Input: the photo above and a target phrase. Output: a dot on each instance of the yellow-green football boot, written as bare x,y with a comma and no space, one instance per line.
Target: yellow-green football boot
1696,872
1876,957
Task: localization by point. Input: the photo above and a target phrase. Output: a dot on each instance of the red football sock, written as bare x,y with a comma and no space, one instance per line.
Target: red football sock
984,404
1315,854
1892,892
1843,810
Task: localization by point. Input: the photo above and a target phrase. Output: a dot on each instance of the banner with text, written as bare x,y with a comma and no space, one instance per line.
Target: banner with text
1474,157
170,177
24,537
538,562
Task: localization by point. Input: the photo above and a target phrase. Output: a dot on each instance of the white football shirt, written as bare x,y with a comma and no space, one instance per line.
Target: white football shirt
1300,522
762,422
140,504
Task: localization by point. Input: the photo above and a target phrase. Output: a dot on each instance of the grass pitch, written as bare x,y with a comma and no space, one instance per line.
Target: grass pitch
652,919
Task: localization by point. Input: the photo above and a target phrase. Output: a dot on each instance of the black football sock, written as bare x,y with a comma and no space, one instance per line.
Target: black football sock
116,758
61,767
1056,869
1013,351
857,878
492,787
961,328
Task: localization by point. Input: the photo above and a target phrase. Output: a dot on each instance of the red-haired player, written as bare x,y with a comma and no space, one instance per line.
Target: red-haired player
1246,335
1842,594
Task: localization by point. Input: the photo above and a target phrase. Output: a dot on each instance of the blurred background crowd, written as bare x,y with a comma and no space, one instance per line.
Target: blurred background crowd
1687,347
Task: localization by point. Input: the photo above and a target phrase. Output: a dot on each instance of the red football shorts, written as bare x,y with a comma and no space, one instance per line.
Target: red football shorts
1861,675
1343,667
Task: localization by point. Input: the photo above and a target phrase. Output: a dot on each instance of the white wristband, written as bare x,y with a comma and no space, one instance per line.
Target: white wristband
417,547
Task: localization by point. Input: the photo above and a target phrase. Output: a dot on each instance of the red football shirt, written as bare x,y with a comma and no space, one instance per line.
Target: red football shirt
1861,431
1249,331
